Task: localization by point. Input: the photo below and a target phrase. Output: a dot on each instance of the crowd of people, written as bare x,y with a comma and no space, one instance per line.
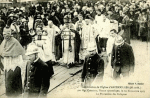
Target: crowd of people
69,33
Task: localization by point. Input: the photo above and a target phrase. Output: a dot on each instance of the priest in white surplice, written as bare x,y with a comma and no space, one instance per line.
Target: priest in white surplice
109,47
68,46
104,32
52,31
88,35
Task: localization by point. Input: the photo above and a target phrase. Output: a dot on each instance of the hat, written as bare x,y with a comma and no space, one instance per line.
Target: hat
91,46
143,10
84,8
101,6
75,13
11,15
24,20
125,11
110,12
119,40
31,49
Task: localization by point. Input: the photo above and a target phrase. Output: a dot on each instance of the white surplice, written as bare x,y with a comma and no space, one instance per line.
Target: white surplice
88,35
68,56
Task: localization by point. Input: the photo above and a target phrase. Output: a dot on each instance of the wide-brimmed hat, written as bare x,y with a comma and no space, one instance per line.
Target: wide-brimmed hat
31,49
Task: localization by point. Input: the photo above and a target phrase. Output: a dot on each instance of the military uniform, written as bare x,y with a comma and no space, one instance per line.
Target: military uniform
36,81
122,60
92,66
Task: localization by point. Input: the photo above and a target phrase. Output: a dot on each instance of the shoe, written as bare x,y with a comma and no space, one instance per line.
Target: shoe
68,65
82,61
79,65
73,64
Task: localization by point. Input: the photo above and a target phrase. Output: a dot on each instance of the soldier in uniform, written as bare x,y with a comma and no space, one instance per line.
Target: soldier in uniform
122,60
36,83
93,66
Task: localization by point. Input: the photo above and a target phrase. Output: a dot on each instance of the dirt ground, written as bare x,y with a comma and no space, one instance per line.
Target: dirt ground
72,87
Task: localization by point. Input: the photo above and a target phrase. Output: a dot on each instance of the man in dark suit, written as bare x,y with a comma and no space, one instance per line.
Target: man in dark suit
2,25
122,58
32,9
39,8
93,66
24,33
45,19
10,19
36,17
37,77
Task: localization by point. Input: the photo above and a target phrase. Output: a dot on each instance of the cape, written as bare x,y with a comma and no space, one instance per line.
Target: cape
11,48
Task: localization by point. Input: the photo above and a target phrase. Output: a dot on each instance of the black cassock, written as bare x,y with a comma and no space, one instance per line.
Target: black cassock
25,36
13,82
77,44
58,47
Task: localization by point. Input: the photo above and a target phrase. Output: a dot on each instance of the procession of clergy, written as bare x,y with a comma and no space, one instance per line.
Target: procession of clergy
69,34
